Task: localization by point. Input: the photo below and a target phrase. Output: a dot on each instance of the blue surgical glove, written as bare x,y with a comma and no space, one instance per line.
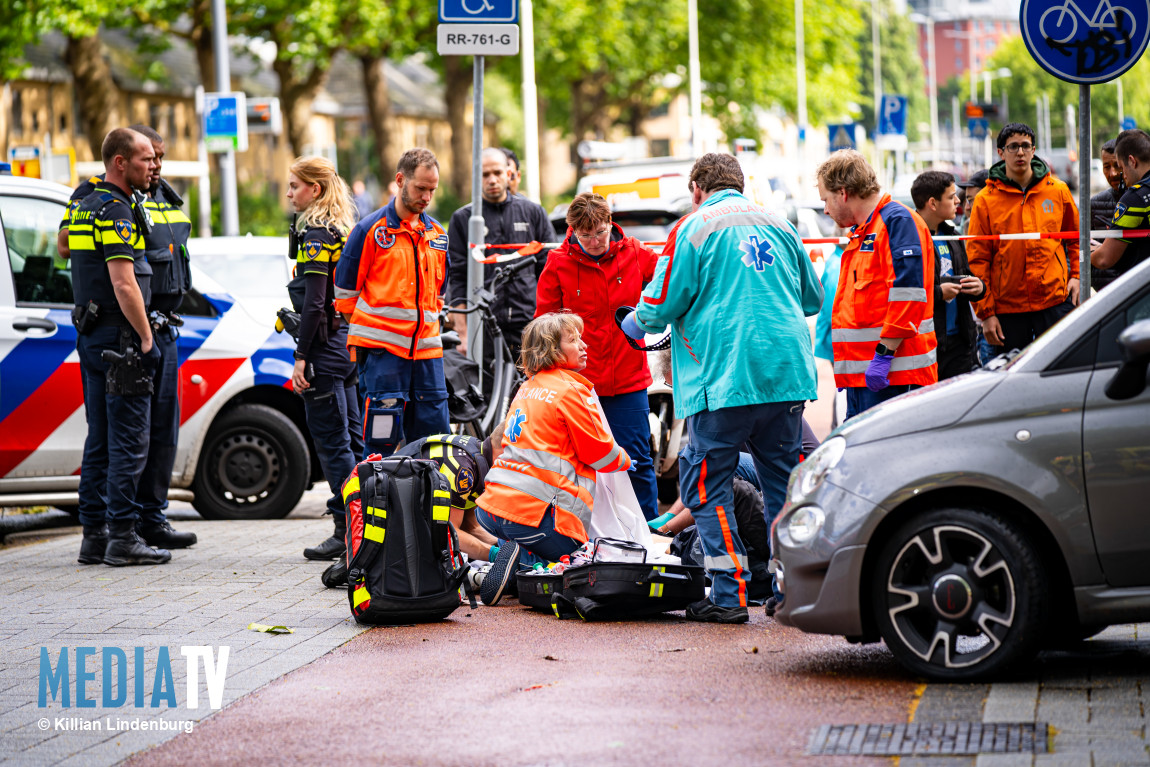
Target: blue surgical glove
878,372
631,327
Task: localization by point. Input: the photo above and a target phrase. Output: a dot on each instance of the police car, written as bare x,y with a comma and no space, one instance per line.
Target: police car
243,451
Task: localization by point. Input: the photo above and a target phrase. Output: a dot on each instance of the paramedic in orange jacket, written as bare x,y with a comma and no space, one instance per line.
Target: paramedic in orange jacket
1030,284
388,287
882,325
539,493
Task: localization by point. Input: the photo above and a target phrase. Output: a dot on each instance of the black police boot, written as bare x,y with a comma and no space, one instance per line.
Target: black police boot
333,546
162,536
126,548
93,546
335,576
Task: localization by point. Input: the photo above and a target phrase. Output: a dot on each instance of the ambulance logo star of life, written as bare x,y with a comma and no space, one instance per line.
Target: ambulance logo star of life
515,425
757,253
382,238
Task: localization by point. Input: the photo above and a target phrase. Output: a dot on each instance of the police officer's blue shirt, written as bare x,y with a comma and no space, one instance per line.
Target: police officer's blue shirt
103,229
736,289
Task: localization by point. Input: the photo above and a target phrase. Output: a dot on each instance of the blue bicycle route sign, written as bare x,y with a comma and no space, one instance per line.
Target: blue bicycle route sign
1085,41
479,11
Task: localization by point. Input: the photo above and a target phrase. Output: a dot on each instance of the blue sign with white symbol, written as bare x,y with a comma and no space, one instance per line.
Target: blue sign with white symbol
892,117
1085,41
979,127
842,136
479,11
1128,123
514,428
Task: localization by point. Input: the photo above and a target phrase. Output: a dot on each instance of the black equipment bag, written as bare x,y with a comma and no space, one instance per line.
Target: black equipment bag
602,590
537,588
464,397
404,563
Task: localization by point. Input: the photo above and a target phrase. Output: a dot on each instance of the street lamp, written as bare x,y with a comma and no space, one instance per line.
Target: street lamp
932,87
987,76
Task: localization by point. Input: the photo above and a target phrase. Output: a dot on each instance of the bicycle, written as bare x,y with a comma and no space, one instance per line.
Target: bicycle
1105,17
506,376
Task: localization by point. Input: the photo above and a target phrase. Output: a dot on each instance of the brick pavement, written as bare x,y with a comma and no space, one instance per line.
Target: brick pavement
1092,699
238,573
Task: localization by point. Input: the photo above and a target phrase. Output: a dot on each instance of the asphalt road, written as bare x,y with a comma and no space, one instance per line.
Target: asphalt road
508,686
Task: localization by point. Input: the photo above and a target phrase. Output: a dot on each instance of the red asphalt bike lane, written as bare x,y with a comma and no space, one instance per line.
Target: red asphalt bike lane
506,686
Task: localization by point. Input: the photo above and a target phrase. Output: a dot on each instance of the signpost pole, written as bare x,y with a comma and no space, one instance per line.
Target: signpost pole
475,224
229,212
1084,153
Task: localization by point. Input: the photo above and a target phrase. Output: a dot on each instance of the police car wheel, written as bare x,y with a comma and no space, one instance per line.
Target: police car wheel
254,465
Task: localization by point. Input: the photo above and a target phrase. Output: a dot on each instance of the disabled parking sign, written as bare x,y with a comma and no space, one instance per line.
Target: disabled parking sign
1085,41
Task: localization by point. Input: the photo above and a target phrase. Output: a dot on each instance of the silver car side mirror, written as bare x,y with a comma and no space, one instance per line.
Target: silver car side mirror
1130,380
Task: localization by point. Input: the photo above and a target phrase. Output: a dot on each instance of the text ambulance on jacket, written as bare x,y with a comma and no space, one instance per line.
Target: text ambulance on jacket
553,445
399,269
886,290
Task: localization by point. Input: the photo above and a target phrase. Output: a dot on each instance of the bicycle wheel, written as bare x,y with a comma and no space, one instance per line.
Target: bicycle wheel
1063,28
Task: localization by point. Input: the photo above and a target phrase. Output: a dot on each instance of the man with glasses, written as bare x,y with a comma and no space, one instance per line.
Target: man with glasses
508,218
1030,284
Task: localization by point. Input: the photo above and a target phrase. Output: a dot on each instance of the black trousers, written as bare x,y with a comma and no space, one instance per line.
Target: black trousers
1018,330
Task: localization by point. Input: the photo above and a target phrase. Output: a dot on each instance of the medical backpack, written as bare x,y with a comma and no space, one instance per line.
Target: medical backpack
403,559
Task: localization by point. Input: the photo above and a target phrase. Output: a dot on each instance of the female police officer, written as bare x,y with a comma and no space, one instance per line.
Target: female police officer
324,373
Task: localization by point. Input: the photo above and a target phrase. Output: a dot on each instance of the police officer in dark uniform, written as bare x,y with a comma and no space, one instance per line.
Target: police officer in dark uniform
111,284
165,229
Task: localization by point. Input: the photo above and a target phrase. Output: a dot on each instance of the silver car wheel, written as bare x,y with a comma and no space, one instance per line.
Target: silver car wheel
950,596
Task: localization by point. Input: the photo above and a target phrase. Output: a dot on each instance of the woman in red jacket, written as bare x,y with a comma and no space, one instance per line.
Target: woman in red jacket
596,270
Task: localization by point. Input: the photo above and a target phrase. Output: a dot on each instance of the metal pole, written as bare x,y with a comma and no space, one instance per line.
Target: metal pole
933,90
987,152
475,227
970,55
229,213
801,75
956,129
1121,106
1046,120
530,104
1084,152
696,86
205,180
876,61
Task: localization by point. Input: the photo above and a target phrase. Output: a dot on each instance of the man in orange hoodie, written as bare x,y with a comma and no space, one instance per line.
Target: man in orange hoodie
1030,284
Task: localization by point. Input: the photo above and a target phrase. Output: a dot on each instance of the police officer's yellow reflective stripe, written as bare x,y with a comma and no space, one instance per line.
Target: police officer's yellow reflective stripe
657,588
373,533
435,451
349,487
360,595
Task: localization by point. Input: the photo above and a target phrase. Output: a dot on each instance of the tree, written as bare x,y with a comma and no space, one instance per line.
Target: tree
307,36
1028,82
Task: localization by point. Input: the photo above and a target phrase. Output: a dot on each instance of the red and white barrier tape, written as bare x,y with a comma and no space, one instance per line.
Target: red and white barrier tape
521,249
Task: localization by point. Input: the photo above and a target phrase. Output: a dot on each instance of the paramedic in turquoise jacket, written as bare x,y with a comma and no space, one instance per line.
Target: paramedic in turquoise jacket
736,285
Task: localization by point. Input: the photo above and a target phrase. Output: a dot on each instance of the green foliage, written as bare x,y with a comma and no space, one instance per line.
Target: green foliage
445,203
1029,82
261,212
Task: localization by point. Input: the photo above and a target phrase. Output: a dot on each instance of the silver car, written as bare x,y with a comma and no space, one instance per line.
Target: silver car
972,523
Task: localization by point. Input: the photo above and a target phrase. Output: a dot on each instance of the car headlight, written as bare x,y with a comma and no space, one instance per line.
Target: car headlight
811,472
805,524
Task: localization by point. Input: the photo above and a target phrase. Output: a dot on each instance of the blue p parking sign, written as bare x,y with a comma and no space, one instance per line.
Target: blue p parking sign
1085,41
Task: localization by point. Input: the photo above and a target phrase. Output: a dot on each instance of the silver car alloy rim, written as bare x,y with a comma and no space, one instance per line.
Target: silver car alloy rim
951,596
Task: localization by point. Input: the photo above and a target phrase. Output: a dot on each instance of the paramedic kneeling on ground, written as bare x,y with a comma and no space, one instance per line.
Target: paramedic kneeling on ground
540,491
736,288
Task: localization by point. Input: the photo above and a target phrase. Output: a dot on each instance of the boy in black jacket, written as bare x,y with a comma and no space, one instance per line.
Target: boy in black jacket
935,199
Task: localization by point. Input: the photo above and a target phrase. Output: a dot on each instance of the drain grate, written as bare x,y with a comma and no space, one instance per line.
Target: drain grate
923,738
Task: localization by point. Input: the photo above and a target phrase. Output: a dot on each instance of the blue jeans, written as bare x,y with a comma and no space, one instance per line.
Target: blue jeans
773,433
332,409
860,398
419,387
116,447
626,414
538,544
165,432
